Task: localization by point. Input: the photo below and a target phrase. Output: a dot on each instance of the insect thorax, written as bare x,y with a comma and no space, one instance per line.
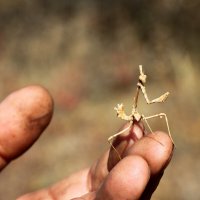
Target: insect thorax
136,116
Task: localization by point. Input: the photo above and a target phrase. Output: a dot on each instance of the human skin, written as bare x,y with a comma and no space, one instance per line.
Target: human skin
26,113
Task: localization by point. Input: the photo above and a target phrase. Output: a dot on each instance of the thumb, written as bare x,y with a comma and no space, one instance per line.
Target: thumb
24,114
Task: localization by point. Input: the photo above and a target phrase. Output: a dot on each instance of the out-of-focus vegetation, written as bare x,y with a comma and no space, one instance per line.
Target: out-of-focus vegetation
86,53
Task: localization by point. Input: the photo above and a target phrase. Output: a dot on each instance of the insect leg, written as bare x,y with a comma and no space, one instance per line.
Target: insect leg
110,139
160,99
166,120
147,123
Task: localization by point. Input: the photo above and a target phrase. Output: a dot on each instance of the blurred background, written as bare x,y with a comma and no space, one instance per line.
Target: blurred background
86,53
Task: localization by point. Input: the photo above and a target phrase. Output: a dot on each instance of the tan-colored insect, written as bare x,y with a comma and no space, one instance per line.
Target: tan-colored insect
135,115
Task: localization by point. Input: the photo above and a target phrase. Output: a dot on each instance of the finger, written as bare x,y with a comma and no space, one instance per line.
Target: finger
127,180
156,148
123,142
98,172
101,168
24,114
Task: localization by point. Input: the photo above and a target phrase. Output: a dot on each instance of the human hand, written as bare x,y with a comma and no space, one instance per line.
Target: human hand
25,114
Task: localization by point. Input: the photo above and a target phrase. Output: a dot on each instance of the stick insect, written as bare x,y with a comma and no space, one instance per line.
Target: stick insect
135,115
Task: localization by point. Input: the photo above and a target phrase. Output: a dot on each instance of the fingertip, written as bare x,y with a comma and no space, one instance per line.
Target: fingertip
24,114
38,98
156,148
124,141
165,151
33,100
163,138
127,180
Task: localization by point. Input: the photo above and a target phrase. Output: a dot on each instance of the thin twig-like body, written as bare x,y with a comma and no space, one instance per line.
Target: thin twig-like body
135,115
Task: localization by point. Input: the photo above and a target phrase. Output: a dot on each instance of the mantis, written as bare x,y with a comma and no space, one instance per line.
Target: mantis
135,116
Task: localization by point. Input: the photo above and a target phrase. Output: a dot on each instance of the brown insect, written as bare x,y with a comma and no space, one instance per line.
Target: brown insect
135,115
